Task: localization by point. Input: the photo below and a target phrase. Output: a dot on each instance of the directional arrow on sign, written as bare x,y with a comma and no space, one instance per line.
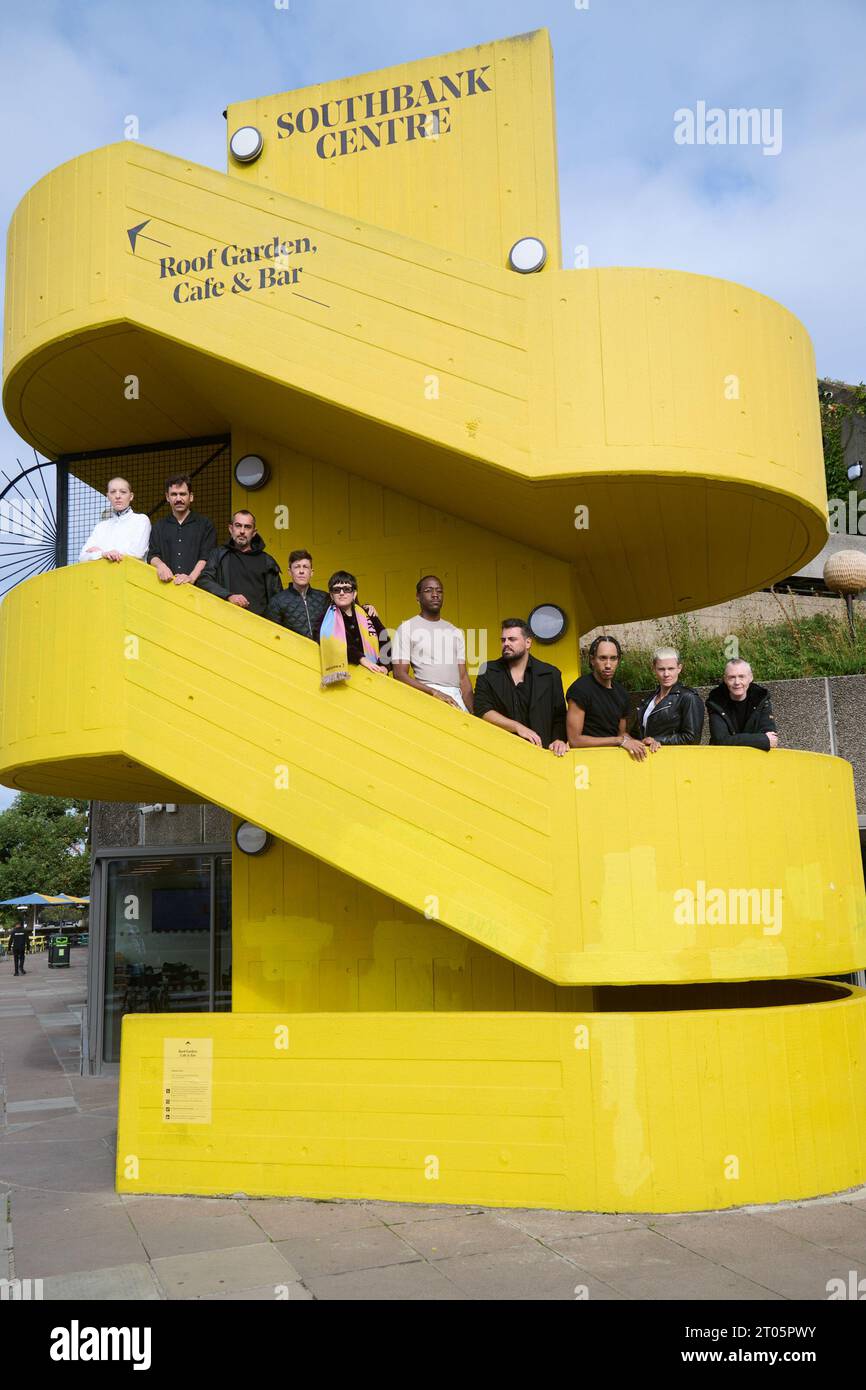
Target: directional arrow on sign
135,232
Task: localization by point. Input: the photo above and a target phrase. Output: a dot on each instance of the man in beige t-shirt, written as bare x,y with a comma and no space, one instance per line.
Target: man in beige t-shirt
434,648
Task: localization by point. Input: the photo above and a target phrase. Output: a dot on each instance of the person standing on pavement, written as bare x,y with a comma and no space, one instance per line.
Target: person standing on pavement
300,607
18,941
180,543
242,572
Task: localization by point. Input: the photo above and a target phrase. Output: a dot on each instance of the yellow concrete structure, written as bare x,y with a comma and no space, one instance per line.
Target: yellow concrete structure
600,1111
626,443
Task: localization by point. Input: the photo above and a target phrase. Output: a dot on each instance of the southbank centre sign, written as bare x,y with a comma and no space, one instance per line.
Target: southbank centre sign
404,112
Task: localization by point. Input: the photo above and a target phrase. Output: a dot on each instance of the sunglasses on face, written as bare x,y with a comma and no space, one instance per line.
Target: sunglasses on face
342,589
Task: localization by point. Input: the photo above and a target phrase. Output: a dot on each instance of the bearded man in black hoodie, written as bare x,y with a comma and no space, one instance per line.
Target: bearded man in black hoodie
741,714
242,572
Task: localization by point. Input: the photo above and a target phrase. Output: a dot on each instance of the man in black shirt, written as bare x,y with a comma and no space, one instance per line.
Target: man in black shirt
740,712
242,572
180,543
598,708
522,694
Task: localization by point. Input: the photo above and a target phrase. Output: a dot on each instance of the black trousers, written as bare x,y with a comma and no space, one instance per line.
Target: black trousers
18,958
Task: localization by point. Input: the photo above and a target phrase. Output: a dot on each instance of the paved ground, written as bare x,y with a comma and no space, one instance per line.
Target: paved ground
66,1225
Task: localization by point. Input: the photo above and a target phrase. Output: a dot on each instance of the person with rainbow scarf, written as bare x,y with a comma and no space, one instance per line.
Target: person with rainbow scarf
349,634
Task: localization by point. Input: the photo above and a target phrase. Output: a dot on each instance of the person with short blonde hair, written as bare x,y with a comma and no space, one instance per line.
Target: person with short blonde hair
124,533
673,713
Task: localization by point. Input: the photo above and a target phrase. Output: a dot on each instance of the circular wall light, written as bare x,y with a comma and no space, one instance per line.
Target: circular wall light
527,255
547,622
246,144
251,472
251,839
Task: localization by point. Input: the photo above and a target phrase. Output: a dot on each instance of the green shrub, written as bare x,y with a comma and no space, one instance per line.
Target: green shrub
793,648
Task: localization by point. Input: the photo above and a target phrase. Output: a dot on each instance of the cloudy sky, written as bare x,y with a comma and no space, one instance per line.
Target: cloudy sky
789,224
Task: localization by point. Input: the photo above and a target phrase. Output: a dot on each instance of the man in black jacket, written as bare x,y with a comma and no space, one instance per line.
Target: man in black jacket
300,607
242,572
741,714
18,939
521,694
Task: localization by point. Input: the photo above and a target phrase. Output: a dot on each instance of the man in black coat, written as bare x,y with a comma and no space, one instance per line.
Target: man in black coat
18,939
242,572
521,694
740,712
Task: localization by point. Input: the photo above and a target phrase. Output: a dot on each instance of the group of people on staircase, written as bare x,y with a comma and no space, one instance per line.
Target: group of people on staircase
517,692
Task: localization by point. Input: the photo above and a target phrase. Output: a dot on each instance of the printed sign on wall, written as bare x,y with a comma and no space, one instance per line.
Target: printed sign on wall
187,1081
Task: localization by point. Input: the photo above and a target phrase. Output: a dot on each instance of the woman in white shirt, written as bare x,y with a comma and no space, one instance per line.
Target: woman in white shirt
124,533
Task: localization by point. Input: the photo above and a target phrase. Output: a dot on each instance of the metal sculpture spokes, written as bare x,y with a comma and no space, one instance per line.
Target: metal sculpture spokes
28,523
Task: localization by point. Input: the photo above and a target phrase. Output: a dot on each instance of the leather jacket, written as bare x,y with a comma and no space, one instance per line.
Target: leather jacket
678,718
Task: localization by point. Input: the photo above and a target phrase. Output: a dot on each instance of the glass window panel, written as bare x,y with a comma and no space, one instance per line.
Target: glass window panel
157,940
222,985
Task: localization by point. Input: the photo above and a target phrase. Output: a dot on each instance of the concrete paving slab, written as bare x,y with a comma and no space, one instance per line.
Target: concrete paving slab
42,1085
415,1283
338,1252
299,1217
224,1271
16,1011
762,1252
463,1235
840,1227
529,1273
154,1209
60,1128
544,1224
398,1213
25,1201
643,1264
79,1166
132,1283
21,1107
267,1293
190,1234
64,1020
83,1238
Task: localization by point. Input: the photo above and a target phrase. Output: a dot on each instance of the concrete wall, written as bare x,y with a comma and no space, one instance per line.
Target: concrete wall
725,618
116,825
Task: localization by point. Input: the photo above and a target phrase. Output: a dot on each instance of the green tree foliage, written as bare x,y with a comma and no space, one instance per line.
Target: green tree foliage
43,848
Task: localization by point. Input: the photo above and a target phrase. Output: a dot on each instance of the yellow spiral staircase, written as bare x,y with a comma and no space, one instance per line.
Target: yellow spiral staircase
462,973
